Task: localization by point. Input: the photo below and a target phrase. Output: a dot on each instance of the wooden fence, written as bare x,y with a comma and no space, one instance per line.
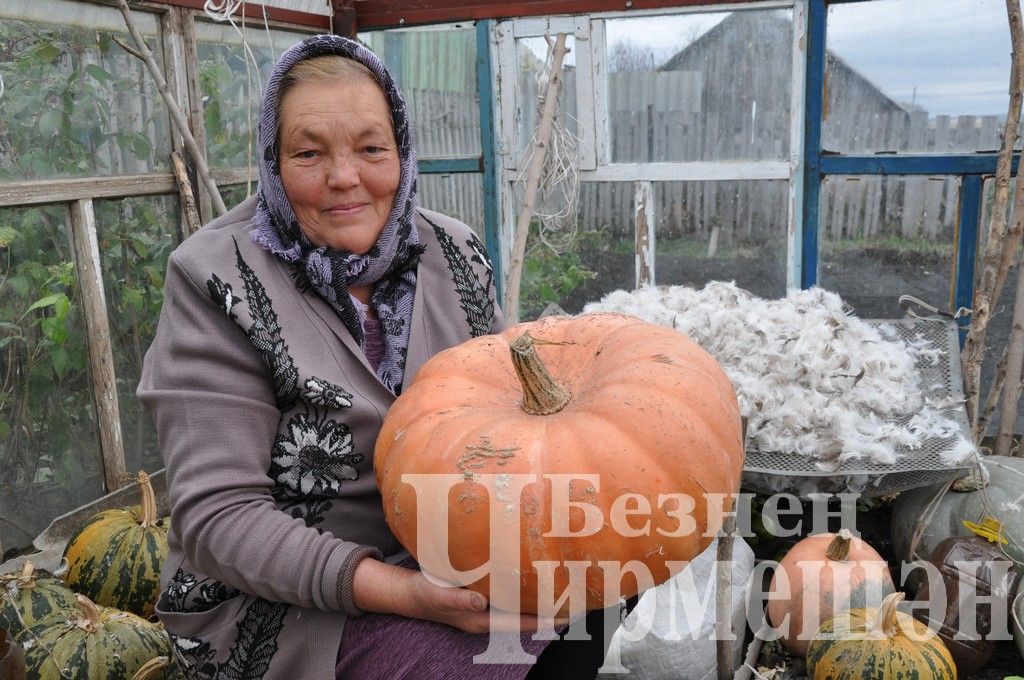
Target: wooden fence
660,117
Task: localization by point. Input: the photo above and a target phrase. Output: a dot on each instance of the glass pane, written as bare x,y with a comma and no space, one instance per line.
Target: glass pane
573,268
916,76
1001,319
135,237
700,86
231,80
459,195
882,237
436,69
531,54
722,231
75,103
50,458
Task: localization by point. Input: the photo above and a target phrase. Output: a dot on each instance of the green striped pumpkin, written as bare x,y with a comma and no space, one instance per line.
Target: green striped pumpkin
94,643
115,558
873,644
31,596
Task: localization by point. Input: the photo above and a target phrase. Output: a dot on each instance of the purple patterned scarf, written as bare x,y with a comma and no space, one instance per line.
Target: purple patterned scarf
390,265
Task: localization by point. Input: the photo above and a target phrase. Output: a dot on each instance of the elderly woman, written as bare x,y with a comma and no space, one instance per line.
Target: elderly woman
289,326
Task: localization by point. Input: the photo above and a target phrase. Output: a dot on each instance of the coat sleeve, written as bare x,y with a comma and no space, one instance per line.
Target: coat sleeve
216,419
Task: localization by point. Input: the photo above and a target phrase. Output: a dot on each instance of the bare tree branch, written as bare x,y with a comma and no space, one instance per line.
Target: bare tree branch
143,52
1014,364
511,306
998,239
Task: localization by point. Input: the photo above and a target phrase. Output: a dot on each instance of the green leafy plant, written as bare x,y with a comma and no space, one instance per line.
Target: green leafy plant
75,104
549,277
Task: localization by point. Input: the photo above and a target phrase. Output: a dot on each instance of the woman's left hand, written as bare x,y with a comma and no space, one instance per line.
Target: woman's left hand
386,588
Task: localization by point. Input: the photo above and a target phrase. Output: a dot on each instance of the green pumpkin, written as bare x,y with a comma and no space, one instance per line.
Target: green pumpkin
875,644
94,643
1004,495
116,557
30,597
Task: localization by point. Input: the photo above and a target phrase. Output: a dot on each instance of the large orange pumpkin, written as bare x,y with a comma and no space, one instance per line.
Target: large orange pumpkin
826,574
611,414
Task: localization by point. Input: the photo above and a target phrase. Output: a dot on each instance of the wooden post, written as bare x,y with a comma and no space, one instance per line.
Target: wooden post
195,109
645,223
101,356
189,213
172,29
724,636
511,306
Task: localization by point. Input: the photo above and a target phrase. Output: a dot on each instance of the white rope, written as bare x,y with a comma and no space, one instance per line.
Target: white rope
2,87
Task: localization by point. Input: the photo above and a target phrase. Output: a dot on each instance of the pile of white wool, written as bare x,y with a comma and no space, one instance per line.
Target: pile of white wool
813,379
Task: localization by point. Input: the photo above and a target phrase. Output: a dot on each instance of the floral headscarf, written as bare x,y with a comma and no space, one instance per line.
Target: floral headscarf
390,265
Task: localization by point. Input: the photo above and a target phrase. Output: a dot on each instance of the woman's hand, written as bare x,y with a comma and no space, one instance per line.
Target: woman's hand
385,588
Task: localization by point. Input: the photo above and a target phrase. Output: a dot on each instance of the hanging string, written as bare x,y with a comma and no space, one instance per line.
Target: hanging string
224,10
248,110
2,87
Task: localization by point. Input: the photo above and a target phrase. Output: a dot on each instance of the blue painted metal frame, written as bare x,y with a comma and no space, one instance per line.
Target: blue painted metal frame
438,166
952,164
488,145
972,168
966,244
485,163
815,104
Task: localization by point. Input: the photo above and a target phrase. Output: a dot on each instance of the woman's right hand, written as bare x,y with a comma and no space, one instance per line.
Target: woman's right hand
385,588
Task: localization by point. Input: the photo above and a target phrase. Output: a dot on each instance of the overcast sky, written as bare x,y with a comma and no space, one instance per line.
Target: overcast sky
948,56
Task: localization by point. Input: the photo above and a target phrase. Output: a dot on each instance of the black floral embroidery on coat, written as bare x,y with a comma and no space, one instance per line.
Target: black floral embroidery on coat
322,393
313,458
264,334
187,593
310,512
250,656
474,297
223,295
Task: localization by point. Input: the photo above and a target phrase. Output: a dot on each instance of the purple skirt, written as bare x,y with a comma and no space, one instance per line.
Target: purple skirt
399,648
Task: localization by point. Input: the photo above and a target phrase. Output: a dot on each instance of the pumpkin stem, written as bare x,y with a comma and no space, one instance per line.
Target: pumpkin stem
89,620
148,500
542,394
886,623
25,578
152,668
839,549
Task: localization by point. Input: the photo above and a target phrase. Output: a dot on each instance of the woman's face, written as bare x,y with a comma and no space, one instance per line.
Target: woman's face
339,162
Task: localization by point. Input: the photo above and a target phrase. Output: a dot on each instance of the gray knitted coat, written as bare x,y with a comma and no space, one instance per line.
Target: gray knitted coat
267,413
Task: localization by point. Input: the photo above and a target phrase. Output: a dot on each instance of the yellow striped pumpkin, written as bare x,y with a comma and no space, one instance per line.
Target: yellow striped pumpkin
31,596
115,558
94,643
878,644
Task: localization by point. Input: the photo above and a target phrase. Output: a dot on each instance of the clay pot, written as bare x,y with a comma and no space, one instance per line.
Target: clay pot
971,654
12,661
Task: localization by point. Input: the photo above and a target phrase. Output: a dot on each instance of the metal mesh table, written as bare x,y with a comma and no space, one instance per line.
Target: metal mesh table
779,472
